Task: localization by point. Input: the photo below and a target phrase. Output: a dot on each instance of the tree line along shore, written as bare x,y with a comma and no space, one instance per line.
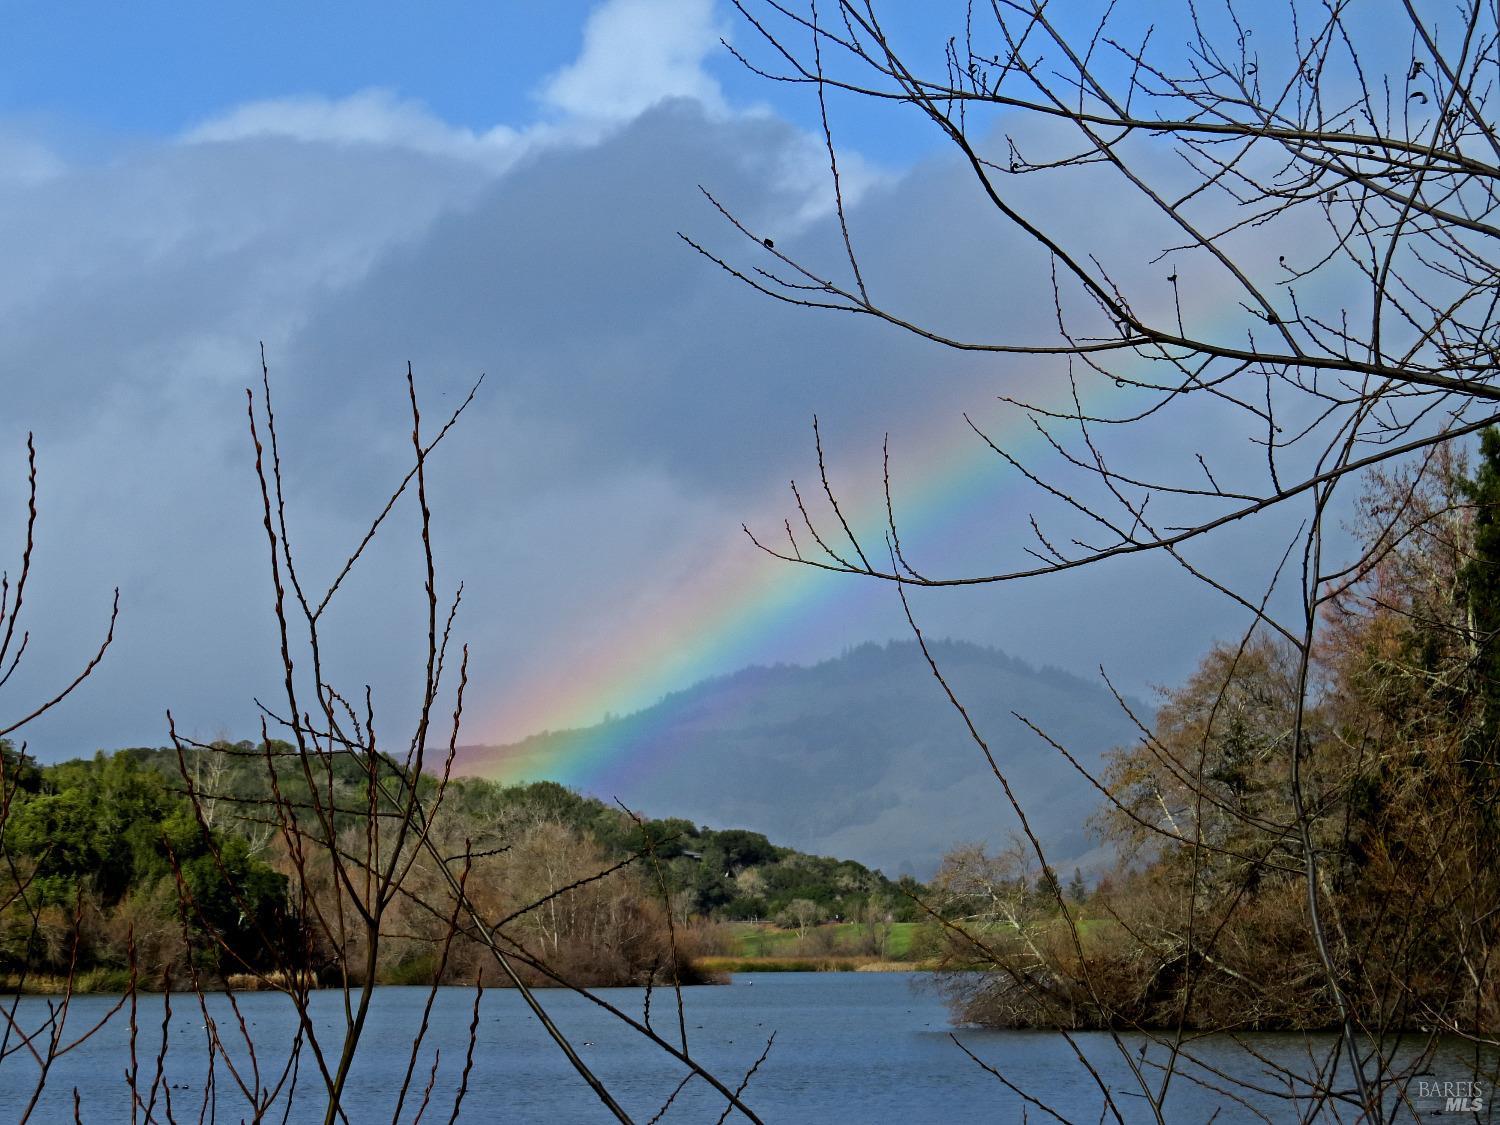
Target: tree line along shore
147,866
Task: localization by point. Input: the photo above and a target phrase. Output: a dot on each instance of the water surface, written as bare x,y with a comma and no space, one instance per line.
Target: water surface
857,1047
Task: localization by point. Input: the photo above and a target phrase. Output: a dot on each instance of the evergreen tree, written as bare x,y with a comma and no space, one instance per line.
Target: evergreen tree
1481,577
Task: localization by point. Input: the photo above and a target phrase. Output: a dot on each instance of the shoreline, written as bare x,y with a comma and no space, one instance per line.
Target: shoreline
711,971
833,963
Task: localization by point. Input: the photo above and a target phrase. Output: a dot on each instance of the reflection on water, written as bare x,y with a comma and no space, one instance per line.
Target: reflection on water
857,1047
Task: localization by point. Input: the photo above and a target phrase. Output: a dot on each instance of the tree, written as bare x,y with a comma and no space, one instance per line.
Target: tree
1205,920
367,863
1480,578
875,921
1313,199
32,925
742,849
1387,209
987,916
799,915
360,820
1078,891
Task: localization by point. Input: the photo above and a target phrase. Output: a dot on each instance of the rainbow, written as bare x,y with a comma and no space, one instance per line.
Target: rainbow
736,607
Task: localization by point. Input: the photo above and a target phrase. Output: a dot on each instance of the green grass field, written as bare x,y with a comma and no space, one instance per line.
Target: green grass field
760,939
829,945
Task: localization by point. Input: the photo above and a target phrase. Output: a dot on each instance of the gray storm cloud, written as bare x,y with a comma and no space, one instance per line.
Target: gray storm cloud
638,402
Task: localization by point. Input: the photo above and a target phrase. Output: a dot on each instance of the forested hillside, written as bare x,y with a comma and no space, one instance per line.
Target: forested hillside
117,844
860,756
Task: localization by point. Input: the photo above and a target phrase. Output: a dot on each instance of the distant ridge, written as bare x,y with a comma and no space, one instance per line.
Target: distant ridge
860,755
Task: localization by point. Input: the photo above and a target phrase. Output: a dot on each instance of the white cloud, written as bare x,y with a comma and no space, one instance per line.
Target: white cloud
368,117
635,54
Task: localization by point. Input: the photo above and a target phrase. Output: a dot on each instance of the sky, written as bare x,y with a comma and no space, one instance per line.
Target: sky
495,190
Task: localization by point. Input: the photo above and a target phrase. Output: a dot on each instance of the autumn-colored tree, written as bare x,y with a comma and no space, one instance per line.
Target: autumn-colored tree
1206,921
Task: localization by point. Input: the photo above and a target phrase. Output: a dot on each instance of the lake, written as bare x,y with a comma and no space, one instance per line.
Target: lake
857,1047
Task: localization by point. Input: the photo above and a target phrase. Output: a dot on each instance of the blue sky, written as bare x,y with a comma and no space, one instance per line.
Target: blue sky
101,72
493,189
154,68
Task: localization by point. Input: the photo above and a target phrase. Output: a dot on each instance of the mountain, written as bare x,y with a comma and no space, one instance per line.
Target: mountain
860,756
